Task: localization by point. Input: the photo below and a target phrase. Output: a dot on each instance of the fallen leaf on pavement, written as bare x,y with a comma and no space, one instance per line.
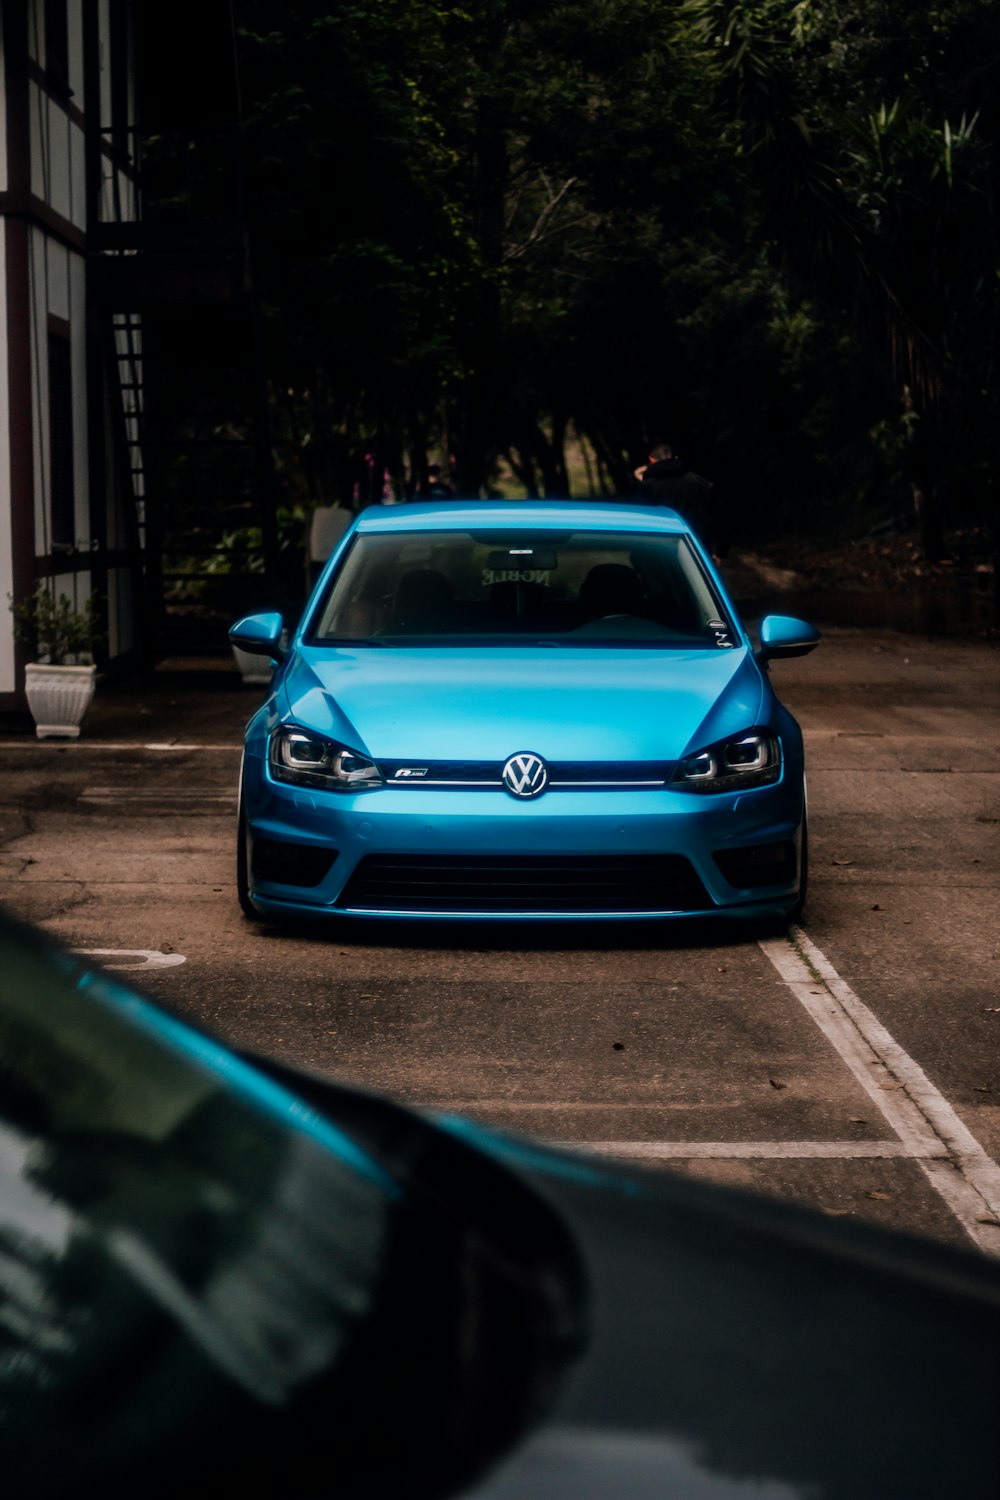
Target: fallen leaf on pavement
889,1087
841,861
879,1196
777,1084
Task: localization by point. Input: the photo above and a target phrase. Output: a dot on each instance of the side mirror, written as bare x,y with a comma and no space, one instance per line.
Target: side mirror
782,635
260,635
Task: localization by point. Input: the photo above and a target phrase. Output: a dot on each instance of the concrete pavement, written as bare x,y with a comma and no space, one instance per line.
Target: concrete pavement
686,1049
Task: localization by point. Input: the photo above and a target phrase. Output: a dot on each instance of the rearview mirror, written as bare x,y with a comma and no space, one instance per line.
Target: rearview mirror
260,635
523,559
783,635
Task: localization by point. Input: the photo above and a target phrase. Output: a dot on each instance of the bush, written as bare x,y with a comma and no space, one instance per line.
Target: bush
52,628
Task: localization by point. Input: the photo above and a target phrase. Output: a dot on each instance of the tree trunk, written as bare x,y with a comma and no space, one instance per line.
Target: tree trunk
482,397
925,504
524,469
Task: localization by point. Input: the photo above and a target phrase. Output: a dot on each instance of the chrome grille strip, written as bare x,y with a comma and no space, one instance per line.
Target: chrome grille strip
563,775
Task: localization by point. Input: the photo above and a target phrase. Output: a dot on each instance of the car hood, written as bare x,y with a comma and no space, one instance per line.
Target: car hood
562,704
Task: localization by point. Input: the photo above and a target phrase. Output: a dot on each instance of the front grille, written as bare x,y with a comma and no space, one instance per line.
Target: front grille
485,774
529,883
290,864
448,772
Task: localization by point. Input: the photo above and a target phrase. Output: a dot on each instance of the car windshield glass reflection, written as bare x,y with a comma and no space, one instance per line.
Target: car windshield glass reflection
567,588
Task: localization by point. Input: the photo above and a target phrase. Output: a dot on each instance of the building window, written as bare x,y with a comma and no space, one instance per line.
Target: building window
57,45
62,505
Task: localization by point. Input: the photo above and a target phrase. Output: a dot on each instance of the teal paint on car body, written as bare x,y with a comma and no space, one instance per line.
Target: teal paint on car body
522,711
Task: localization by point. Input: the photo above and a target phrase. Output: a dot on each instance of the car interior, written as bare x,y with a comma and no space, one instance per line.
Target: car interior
454,585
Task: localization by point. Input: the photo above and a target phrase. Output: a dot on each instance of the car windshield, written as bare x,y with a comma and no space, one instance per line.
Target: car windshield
574,588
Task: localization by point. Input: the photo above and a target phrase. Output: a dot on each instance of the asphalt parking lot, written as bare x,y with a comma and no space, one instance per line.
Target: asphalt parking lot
853,1066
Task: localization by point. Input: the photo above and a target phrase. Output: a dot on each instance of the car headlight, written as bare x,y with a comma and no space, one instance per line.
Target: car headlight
744,760
306,759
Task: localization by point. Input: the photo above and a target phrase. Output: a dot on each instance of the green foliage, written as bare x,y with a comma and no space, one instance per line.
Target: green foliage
765,229
869,136
51,626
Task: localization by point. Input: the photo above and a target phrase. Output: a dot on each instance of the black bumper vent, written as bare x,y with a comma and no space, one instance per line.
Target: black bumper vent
539,883
291,864
757,865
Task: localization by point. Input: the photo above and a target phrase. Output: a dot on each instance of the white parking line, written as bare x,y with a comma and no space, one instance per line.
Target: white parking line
926,1129
84,744
156,795
953,1161
747,1150
132,958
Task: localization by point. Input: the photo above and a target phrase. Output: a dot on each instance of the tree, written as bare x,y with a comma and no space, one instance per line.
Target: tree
875,176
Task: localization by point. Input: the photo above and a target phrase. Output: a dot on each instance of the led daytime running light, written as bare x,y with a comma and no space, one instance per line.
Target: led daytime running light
741,761
304,759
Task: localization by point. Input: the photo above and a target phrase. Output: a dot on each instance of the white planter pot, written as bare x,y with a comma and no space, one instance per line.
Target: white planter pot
58,698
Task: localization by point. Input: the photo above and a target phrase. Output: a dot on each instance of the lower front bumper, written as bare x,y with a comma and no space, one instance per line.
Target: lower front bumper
774,908
638,833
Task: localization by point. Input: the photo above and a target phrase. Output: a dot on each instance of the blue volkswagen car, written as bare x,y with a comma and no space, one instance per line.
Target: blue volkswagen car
522,710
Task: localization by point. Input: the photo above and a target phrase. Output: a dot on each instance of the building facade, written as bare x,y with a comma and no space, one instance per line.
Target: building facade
71,472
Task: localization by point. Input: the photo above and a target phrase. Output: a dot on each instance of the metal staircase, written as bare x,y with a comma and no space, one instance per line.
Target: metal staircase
173,289
189,507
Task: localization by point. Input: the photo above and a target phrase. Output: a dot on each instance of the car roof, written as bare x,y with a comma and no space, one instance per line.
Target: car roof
596,515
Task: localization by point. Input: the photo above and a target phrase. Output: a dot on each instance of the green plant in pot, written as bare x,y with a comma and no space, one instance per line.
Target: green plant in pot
59,684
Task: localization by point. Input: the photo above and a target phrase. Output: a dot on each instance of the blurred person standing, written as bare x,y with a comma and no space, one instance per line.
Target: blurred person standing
666,480
437,487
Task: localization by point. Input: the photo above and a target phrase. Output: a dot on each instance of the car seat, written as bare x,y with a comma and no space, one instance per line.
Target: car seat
612,589
421,602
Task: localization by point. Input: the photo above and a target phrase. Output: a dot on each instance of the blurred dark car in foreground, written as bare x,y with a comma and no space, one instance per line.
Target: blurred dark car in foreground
223,1276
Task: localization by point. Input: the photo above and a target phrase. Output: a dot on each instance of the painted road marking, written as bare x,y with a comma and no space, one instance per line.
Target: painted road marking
84,744
235,748
133,958
926,1128
183,794
963,1174
748,1150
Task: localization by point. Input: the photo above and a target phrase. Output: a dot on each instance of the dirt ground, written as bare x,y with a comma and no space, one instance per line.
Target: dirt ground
880,580
894,560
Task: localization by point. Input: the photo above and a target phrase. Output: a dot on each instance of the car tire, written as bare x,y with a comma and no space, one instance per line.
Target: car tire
243,866
795,914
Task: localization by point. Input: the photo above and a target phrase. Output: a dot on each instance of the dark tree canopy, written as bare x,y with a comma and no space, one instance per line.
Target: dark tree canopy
526,237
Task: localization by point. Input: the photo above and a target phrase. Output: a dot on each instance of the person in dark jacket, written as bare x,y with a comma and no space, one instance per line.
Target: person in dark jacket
667,480
437,487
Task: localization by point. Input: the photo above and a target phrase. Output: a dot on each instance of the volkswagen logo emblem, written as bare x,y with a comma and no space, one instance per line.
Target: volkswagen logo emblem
525,775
